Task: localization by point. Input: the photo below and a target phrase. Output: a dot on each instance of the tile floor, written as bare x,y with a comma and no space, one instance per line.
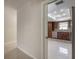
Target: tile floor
58,49
11,52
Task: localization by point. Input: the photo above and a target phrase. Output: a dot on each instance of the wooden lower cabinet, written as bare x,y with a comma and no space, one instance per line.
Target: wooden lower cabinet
63,35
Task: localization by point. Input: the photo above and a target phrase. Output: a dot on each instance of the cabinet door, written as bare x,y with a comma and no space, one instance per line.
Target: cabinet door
53,26
49,29
63,35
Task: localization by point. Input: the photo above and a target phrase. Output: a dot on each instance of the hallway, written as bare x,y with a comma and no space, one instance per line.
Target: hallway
22,25
59,49
16,54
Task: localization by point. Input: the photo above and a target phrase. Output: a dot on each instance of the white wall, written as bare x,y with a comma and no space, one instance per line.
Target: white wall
10,18
29,28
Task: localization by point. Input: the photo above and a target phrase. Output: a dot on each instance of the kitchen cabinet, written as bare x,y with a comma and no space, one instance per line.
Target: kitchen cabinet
50,29
63,35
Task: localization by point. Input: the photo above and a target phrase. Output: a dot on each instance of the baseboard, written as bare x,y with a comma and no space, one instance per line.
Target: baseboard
26,53
8,46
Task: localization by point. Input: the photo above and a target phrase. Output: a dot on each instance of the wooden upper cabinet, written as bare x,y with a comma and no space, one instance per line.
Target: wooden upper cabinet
50,29
53,26
49,26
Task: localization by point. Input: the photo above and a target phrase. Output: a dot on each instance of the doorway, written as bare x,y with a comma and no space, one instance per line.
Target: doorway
57,29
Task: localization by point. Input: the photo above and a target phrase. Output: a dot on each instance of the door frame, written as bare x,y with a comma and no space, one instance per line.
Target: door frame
44,28
42,31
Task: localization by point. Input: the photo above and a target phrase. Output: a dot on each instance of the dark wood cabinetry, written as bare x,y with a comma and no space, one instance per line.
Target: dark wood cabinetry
63,35
50,29
55,34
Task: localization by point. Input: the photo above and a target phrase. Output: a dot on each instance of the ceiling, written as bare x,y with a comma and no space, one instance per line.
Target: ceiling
60,12
17,3
14,3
